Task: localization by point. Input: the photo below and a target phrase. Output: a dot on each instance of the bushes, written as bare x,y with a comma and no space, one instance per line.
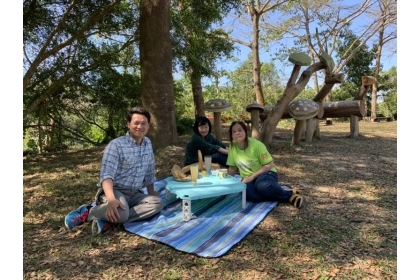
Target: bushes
184,125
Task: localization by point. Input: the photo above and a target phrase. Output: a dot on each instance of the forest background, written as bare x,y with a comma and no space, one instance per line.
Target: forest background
95,137
84,64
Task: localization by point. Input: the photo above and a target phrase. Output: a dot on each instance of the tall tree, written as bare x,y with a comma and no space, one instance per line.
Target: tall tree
361,63
387,14
156,71
243,82
387,91
197,44
319,24
256,10
60,42
64,45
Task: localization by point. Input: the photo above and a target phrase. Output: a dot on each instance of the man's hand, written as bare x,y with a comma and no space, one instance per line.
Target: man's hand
151,190
112,210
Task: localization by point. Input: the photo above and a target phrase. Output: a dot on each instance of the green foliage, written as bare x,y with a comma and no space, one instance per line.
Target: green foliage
388,90
80,85
388,81
196,43
184,125
242,84
345,91
360,64
31,146
308,93
184,107
388,108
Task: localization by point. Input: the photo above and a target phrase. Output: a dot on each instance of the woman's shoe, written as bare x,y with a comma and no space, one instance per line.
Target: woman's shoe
296,200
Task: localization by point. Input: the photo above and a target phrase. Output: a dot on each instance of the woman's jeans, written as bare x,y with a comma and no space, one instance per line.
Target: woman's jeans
266,188
219,158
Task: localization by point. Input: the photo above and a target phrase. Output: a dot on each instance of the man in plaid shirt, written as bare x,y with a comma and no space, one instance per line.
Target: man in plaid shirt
128,165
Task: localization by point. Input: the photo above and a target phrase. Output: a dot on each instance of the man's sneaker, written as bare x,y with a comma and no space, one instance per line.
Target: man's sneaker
296,200
99,226
77,217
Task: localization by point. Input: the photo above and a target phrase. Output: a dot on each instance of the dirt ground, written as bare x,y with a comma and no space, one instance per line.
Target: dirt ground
346,230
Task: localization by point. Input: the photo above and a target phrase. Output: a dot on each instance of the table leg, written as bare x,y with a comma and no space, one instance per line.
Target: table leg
243,199
186,209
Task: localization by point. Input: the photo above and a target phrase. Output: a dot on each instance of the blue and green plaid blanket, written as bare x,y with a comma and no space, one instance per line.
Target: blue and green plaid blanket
220,223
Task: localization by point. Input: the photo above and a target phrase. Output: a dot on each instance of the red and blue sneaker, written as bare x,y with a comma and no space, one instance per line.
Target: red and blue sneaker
77,217
99,226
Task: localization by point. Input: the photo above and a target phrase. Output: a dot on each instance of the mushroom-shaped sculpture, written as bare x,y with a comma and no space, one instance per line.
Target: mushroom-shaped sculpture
302,110
217,106
301,59
255,109
328,61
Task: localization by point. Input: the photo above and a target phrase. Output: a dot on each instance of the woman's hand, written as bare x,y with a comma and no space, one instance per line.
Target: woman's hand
247,179
232,170
224,151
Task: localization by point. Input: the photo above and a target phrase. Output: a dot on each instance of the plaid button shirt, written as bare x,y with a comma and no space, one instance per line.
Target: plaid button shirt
129,164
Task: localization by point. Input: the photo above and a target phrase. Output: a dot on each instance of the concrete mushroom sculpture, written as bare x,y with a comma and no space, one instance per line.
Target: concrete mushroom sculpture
217,106
255,109
302,110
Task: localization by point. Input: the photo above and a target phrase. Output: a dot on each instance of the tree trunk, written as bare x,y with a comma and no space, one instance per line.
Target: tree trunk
342,109
197,91
39,135
338,109
256,64
376,74
156,71
289,94
218,125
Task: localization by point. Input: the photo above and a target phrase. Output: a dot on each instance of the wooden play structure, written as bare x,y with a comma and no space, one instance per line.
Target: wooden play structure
306,112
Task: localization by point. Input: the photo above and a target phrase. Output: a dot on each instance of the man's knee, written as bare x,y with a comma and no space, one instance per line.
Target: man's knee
157,202
124,214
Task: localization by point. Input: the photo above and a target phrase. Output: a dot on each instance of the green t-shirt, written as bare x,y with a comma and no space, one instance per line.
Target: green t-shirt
251,159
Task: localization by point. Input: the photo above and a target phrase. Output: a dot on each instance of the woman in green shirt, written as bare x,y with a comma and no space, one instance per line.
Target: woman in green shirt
257,168
204,141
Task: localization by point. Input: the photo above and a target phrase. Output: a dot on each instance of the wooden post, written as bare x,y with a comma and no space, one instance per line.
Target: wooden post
255,124
354,126
310,128
255,109
218,125
299,126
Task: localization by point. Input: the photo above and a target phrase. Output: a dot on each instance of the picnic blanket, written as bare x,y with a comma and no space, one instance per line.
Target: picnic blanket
219,223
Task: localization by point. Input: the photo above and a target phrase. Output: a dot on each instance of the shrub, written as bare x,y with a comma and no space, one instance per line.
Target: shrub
184,125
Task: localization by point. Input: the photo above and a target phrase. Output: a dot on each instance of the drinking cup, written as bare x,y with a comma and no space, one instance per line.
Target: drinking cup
222,173
207,162
194,173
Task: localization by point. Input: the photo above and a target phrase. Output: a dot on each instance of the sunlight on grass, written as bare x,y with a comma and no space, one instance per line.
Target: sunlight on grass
346,230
